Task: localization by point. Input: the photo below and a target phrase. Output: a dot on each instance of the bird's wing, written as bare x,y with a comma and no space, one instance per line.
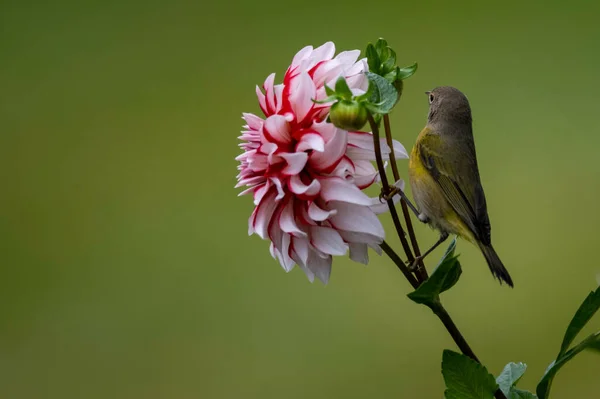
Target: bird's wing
458,179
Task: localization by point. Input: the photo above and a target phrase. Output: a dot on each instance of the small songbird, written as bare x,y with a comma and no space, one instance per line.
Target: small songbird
445,179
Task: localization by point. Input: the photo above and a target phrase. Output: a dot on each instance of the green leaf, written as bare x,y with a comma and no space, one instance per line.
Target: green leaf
389,63
342,89
381,45
516,393
407,72
373,58
465,378
543,388
510,376
595,347
329,91
384,94
588,308
444,277
326,100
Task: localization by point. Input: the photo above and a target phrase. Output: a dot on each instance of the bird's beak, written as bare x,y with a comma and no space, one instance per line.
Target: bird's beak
427,92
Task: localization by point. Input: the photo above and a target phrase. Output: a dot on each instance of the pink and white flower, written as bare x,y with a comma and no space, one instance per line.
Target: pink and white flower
306,175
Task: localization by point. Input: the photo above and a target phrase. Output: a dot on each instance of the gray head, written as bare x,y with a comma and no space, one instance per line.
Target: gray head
447,104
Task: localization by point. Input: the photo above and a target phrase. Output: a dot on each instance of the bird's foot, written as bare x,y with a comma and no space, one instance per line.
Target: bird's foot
392,190
414,265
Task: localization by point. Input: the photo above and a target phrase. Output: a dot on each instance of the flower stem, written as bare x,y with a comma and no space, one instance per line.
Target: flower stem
398,261
386,189
421,271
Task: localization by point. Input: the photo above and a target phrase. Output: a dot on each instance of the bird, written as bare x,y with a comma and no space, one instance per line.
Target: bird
444,177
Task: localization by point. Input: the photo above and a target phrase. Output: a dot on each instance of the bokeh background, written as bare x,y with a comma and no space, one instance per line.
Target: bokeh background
126,270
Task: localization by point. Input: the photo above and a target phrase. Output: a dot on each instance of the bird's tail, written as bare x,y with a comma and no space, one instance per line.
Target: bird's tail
495,264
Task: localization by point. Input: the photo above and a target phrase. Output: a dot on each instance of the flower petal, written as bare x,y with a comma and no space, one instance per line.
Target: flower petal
299,188
332,154
327,240
287,220
311,141
317,214
359,253
351,217
295,162
300,248
336,189
264,212
277,129
321,267
302,95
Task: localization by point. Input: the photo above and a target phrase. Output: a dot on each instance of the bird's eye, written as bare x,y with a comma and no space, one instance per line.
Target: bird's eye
430,98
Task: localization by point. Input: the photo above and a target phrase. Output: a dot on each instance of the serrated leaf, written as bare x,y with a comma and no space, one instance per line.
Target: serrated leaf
444,277
407,72
510,376
586,311
465,378
372,58
384,94
543,388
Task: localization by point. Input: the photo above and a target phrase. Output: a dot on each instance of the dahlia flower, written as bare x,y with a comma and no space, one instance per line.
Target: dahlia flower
305,174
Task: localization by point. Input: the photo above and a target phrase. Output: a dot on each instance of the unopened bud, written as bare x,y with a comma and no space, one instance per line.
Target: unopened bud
348,115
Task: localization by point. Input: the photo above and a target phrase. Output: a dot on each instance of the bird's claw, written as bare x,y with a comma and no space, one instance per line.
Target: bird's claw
414,265
389,195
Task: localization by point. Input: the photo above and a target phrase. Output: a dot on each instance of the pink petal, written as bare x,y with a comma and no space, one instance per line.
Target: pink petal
321,267
311,141
260,193
362,238
278,89
302,94
287,220
327,240
317,214
287,262
327,73
270,93
334,151
359,253
295,162
277,129
323,52
297,187
262,101
300,247
348,57
301,55
264,212
253,121
336,189
356,218
280,192
399,150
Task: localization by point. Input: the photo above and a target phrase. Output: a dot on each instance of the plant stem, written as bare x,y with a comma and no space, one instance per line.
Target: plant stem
421,271
398,261
386,189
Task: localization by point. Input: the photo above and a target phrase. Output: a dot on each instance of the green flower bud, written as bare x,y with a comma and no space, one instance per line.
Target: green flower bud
348,115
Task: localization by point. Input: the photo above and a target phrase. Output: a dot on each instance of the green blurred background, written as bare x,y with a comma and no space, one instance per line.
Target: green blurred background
126,268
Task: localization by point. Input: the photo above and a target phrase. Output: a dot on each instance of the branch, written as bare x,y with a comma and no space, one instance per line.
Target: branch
421,271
